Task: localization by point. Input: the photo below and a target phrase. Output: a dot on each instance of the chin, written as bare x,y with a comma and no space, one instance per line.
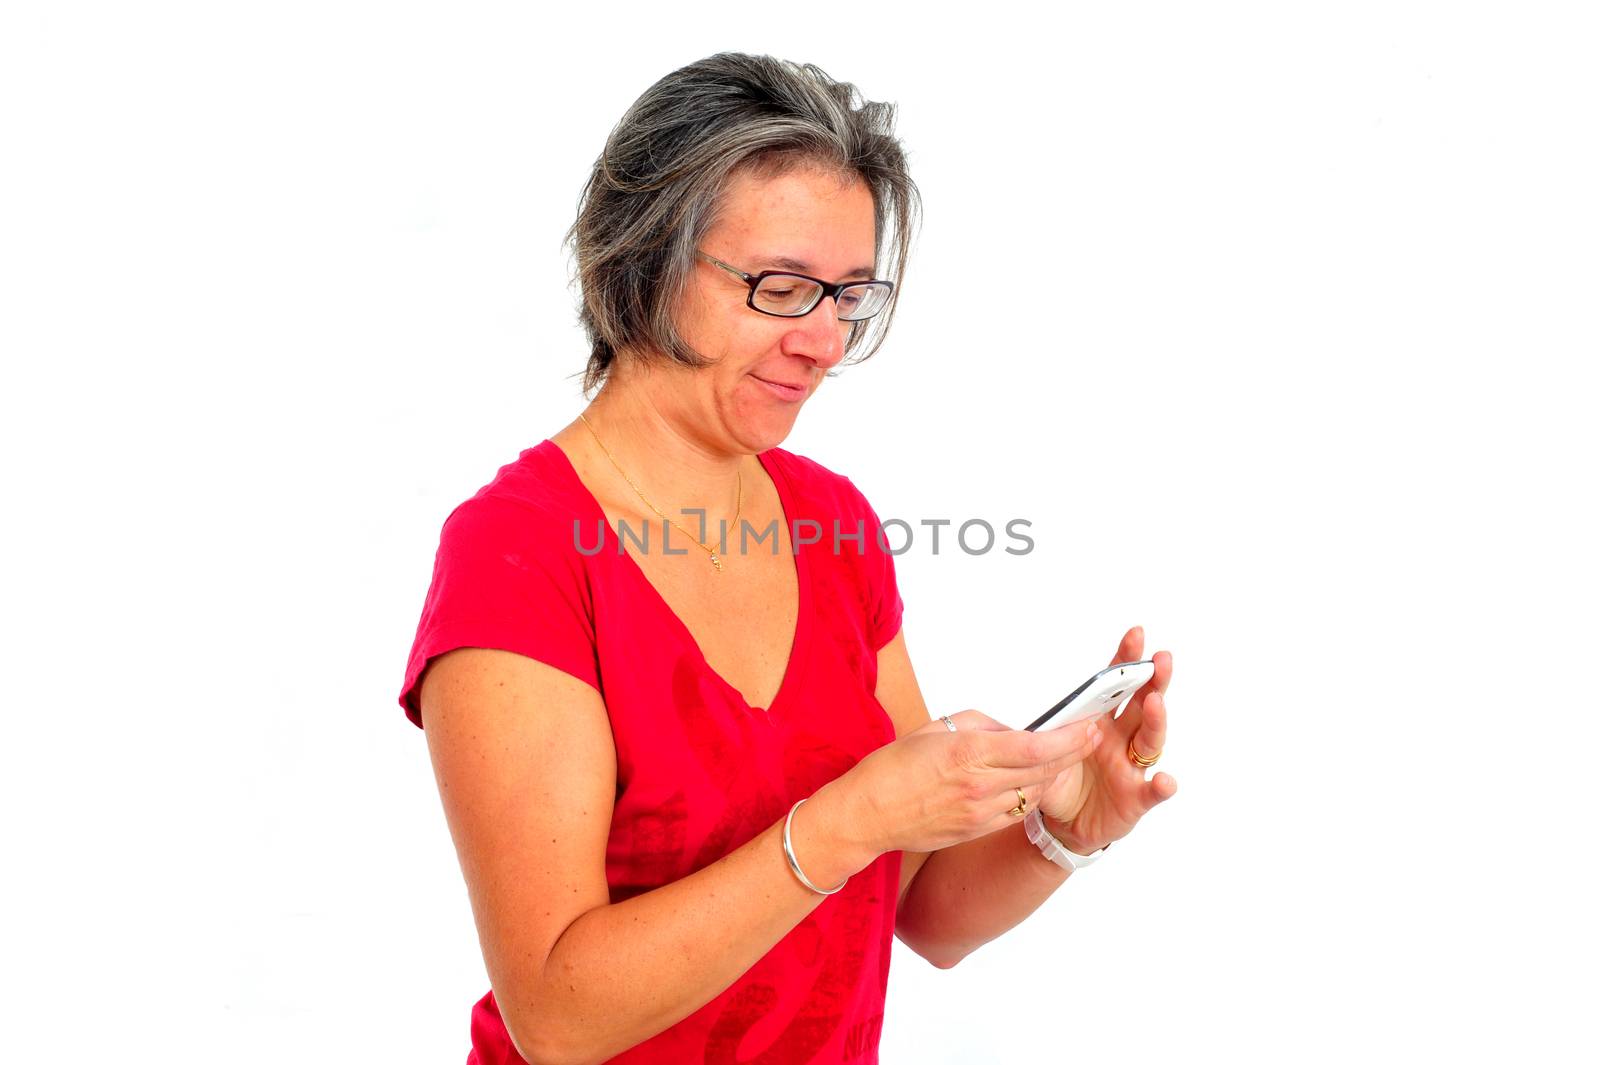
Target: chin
761,430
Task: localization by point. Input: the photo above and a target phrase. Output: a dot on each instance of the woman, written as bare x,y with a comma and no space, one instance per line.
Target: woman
691,779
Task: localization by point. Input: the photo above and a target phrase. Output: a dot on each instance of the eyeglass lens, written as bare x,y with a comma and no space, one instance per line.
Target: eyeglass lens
790,296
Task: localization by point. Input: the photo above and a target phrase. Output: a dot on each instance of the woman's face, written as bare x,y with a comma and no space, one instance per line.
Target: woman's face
808,221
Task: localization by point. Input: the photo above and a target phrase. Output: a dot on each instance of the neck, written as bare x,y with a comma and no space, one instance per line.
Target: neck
669,456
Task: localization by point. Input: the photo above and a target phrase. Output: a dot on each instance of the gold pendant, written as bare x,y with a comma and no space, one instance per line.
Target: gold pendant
715,561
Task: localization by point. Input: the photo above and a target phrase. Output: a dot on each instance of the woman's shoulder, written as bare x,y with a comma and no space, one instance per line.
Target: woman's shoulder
534,498
828,491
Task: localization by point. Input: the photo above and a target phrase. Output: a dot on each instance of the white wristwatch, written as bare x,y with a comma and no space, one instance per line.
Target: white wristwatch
1052,848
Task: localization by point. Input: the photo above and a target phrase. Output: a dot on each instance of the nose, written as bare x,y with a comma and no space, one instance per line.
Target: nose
819,335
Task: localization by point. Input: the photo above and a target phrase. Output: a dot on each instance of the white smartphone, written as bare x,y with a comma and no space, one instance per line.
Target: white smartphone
1100,694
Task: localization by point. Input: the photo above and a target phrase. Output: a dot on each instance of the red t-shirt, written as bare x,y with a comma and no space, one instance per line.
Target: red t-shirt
700,772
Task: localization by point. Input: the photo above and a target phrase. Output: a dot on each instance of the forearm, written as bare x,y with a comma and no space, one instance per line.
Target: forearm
966,895
622,973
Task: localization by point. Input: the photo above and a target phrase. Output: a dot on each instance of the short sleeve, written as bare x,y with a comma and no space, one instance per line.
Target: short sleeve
886,606
505,578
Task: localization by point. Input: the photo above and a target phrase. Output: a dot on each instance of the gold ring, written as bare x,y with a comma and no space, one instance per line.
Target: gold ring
1142,763
1021,807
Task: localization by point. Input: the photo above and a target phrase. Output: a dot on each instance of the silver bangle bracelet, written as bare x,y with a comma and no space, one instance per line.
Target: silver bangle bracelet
794,865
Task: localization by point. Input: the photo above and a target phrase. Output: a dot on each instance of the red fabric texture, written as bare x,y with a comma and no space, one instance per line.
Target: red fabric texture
699,771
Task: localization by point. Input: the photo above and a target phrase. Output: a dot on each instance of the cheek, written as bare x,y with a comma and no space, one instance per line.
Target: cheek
753,340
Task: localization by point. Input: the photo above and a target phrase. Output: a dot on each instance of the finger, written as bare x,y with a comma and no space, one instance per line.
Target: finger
1008,799
1045,773
1160,788
1159,679
1151,735
1020,749
1132,714
1131,647
1163,677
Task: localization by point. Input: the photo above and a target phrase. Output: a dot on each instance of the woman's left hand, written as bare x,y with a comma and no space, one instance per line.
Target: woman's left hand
1101,798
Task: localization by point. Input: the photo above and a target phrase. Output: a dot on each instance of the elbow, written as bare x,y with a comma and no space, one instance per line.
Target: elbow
540,1050
939,955
540,1019
539,1047
942,955
540,1040
531,1050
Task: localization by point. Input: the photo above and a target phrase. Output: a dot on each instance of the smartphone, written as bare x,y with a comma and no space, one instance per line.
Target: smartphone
1102,693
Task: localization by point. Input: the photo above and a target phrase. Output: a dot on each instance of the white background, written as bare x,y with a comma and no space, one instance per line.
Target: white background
1299,379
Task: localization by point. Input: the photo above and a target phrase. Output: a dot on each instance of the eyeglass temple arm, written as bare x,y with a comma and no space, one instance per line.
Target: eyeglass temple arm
735,271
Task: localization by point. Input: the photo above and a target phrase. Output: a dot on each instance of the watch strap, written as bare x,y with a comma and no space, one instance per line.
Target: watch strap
1053,848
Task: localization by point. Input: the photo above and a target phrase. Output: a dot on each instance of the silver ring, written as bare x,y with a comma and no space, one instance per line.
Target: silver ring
951,725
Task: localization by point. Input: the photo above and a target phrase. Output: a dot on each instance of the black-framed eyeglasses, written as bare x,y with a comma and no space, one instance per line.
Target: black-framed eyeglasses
786,295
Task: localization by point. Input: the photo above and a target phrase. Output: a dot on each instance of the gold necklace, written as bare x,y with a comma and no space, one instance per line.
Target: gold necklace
738,499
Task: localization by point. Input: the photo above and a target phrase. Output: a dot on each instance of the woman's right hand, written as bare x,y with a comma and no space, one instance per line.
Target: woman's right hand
934,788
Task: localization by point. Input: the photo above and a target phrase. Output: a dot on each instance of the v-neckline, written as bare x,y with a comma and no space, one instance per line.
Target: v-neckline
799,643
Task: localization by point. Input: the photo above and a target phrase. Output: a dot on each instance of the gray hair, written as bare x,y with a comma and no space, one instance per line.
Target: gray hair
659,183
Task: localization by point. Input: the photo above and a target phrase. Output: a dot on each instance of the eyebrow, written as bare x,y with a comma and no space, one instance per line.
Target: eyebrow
783,262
